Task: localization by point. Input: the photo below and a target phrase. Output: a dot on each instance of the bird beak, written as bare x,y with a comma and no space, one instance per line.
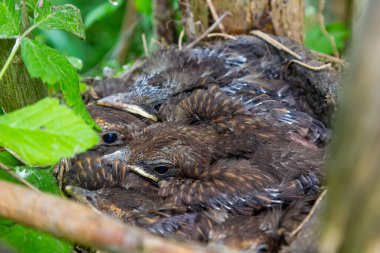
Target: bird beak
121,105
141,171
82,195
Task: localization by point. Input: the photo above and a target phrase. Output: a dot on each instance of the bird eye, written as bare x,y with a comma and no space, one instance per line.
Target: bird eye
109,138
161,170
262,248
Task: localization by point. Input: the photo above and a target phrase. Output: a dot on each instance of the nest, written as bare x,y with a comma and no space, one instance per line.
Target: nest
275,60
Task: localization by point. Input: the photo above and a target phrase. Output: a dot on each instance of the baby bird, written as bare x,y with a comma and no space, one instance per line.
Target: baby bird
215,154
262,232
242,69
118,129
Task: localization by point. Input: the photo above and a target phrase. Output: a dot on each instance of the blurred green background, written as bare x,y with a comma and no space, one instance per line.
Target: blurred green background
107,25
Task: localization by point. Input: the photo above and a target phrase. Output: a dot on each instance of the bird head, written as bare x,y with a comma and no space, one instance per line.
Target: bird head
118,128
172,150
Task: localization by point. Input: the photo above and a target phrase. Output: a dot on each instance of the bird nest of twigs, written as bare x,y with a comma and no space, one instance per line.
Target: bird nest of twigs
221,144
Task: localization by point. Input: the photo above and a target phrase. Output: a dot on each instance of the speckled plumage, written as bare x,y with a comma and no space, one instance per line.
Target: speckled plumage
234,138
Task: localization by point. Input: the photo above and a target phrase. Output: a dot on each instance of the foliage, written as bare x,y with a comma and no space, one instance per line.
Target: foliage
317,41
57,132
42,133
27,240
46,16
9,19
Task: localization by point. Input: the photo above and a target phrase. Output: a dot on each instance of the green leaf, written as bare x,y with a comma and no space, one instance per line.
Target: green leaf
30,6
43,179
44,132
317,41
27,240
143,6
83,87
54,69
99,12
8,159
10,16
47,63
64,17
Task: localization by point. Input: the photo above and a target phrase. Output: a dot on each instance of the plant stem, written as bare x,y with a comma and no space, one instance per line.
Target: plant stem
11,56
16,46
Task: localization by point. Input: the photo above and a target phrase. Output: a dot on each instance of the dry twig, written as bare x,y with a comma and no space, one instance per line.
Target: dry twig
305,65
215,15
275,43
78,223
329,58
209,30
321,21
181,39
224,35
309,215
145,44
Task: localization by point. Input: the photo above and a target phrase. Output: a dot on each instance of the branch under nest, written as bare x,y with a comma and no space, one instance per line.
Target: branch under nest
78,223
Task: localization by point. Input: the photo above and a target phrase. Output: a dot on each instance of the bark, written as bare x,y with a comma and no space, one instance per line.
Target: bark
353,217
342,11
78,223
187,19
164,21
278,17
126,34
17,88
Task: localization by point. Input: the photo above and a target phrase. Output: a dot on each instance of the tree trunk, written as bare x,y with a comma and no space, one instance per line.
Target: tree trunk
353,217
17,88
342,11
278,17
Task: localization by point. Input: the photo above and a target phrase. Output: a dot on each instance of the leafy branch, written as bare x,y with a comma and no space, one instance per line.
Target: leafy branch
65,17
42,133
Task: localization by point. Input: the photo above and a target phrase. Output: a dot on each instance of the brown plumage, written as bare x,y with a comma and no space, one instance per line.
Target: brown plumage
216,154
234,141
243,69
118,129
263,232
211,152
118,202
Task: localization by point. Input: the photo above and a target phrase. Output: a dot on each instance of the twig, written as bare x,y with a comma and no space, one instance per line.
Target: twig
329,57
315,68
215,15
180,39
224,35
157,42
321,21
78,223
209,30
17,177
308,217
145,44
275,43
